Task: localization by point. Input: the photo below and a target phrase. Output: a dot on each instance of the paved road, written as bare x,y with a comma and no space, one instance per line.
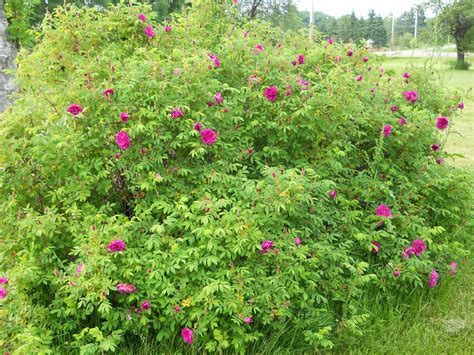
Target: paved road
421,53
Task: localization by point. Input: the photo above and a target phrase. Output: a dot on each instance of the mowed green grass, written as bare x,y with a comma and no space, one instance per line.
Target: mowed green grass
441,320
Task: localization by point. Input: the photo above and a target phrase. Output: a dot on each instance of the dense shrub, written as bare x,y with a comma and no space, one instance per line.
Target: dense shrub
269,223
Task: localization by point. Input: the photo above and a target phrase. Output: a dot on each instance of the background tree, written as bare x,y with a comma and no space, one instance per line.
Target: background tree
456,19
374,29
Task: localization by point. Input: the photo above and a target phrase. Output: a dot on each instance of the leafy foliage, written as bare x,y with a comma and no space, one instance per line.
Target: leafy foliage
193,216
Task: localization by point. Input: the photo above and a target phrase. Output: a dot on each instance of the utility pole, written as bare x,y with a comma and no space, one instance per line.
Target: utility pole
311,20
393,32
416,22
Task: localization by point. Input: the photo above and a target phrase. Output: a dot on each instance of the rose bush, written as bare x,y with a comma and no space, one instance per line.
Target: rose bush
136,200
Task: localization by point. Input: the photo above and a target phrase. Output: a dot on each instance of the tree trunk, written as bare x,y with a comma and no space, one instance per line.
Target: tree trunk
460,60
7,55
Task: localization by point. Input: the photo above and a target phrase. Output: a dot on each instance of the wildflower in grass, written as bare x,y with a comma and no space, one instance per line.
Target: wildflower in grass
453,266
187,335
123,140
434,276
3,293
248,320
297,241
176,113
435,147
125,288
124,116
142,17
375,247
383,210
74,109
146,305
442,122
387,130
418,246
208,136
116,245
271,93
333,194
396,273
149,31
300,59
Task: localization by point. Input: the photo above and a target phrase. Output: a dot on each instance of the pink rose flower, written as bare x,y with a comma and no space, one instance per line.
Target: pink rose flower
271,93
176,113
288,91
3,280
365,59
394,108
435,147
187,335
375,247
396,273
124,116
258,48
218,98
198,126
248,320
123,140
359,77
402,121
125,288
167,29
387,130
208,136
453,268
294,63
74,109
418,246
79,269
116,245
146,305
406,75
349,53
461,106
330,40
333,194
117,155
142,17
3,293
434,276
300,58
411,96
149,31
266,246
215,59
439,161
384,211
108,93
442,122
177,309
297,241
408,252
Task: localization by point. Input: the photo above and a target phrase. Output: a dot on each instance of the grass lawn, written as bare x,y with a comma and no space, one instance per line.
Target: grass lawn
438,321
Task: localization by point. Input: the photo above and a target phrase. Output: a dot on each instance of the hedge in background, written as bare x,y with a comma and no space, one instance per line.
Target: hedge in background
206,182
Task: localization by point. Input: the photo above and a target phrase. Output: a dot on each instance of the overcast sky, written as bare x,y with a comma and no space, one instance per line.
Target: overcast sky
338,8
